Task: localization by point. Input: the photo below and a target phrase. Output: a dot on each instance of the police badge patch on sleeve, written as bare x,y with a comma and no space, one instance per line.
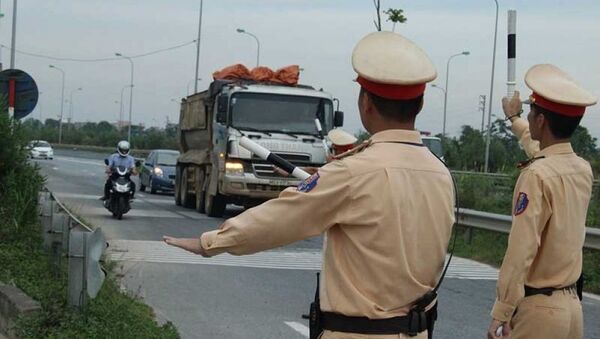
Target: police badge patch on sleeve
522,202
309,183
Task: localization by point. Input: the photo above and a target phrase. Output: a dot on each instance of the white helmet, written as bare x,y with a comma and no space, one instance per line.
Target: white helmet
123,148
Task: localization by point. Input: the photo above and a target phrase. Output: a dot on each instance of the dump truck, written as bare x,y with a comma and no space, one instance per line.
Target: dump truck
214,170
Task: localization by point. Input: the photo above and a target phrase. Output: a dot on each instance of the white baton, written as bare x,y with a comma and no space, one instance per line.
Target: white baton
273,158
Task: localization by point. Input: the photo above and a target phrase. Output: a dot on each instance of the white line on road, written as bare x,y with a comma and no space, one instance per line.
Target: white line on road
159,252
95,197
85,162
298,327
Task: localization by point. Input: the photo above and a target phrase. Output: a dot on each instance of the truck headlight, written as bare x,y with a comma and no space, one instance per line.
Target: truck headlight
158,172
234,168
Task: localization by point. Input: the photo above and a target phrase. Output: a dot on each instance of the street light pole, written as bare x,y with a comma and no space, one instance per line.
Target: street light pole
198,48
241,30
14,35
130,94
490,102
62,102
195,87
121,106
71,103
446,90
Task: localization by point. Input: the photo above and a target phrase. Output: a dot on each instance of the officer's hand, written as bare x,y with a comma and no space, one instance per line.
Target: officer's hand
189,244
280,171
512,106
492,331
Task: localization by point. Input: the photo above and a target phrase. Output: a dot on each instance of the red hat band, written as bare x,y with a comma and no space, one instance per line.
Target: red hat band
394,92
562,109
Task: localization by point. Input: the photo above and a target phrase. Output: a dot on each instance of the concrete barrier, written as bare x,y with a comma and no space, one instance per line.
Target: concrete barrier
14,304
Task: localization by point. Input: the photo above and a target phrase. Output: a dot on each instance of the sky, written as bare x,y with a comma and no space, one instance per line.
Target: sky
317,35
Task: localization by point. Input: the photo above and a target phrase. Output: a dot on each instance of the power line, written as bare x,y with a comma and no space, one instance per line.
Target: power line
99,59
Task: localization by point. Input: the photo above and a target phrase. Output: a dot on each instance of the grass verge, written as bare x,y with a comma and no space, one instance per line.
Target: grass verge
489,247
111,314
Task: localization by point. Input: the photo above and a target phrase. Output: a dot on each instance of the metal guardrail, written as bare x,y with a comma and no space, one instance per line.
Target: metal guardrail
65,233
500,176
502,223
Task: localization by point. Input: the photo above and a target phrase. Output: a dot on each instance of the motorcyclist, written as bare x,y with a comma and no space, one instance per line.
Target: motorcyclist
117,159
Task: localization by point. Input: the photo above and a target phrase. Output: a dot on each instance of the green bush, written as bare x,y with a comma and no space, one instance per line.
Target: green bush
111,315
19,184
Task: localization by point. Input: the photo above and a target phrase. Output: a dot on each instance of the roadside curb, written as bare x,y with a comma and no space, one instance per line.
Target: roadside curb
14,304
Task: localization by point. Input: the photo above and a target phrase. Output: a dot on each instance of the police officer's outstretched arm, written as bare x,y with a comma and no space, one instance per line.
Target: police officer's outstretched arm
512,108
317,204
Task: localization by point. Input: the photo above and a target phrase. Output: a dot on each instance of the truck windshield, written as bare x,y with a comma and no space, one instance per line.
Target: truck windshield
276,112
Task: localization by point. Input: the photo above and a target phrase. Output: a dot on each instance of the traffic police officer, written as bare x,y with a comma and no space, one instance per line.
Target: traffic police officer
386,210
341,141
536,291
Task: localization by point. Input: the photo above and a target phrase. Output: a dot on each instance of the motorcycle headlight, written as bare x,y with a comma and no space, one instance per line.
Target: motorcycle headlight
158,171
122,188
234,168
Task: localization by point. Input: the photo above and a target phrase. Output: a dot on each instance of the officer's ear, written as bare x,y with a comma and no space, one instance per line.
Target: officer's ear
368,105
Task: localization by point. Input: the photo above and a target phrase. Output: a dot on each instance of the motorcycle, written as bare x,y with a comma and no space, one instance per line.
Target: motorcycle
121,192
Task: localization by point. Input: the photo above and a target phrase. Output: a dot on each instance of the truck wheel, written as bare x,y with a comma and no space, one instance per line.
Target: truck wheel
200,190
177,193
186,198
214,205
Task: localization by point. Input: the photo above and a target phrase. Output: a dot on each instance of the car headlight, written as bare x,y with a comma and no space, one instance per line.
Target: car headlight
234,168
158,171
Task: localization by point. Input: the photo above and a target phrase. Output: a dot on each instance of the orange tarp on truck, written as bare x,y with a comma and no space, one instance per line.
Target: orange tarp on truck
287,75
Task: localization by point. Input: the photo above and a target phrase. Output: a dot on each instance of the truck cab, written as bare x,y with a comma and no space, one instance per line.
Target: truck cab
279,118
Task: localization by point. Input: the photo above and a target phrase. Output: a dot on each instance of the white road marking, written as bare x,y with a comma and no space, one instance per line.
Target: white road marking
298,327
55,168
134,212
78,161
95,197
159,252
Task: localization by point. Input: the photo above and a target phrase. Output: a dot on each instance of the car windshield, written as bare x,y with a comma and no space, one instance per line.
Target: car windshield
283,113
434,145
41,144
167,159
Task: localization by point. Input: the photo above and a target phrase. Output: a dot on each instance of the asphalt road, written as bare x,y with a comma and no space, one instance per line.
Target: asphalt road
258,296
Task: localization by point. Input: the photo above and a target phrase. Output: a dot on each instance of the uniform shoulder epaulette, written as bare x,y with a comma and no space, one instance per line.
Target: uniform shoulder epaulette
528,162
353,151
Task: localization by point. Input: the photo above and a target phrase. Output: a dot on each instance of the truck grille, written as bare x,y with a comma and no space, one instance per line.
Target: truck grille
264,169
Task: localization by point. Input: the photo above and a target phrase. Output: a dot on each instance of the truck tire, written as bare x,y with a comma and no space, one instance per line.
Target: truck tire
187,200
200,190
214,205
177,193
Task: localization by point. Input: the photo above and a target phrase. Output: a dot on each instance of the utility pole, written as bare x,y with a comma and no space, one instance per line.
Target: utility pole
482,99
198,48
14,35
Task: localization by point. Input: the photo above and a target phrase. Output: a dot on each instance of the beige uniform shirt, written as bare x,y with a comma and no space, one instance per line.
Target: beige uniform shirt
550,202
387,212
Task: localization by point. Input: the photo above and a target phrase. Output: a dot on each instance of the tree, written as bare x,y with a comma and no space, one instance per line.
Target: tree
377,4
583,143
395,16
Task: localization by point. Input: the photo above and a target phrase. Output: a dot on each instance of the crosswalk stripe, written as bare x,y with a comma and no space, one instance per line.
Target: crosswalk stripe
159,252
298,327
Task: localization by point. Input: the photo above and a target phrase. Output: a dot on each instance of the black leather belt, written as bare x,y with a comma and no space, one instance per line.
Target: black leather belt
341,323
529,291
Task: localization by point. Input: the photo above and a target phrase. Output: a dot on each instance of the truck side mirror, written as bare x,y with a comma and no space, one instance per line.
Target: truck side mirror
222,109
338,119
